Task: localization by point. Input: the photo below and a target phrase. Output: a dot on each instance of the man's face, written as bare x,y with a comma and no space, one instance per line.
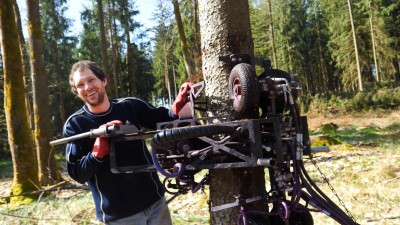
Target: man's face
90,88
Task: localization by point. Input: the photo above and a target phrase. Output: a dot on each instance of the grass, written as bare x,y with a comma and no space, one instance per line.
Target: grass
67,208
5,168
365,175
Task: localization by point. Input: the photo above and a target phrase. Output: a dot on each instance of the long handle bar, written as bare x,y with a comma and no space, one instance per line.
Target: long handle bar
105,131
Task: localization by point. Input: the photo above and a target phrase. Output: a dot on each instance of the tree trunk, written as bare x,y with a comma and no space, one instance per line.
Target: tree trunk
166,78
186,56
360,86
197,44
104,46
373,42
19,135
112,79
225,29
272,34
48,170
129,59
25,65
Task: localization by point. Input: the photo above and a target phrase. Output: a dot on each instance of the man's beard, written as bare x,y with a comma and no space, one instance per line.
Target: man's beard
100,100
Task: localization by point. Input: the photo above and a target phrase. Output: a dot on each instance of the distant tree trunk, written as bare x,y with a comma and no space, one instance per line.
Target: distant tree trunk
197,44
129,60
373,42
272,35
60,96
19,135
360,86
104,46
321,68
59,80
225,29
114,78
396,67
48,170
166,78
25,65
186,56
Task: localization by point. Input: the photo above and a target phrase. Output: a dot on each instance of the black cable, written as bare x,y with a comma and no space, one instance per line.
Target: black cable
337,213
181,133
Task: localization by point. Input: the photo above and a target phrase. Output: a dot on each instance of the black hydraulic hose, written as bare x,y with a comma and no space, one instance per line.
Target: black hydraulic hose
297,110
297,185
296,118
169,135
299,168
312,183
181,133
324,201
296,168
339,215
334,211
198,186
322,204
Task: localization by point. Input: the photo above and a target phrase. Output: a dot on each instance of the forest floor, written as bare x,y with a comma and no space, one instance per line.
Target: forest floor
364,171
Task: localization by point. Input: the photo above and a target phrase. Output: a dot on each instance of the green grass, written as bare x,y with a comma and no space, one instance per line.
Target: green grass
5,168
74,207
365,174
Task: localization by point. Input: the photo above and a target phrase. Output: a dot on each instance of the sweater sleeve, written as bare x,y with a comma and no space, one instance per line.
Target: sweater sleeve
81,164
149,115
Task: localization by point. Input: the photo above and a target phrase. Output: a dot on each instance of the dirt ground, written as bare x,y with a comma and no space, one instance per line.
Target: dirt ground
377,119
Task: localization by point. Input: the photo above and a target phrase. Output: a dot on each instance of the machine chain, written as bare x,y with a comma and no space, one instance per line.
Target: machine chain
333,190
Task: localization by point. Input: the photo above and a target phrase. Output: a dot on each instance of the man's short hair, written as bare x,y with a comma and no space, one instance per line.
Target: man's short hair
81,66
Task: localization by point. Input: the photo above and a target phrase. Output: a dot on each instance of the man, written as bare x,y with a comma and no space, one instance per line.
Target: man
128,198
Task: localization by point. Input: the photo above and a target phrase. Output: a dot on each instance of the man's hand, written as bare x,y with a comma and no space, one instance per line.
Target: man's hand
181,98
101,146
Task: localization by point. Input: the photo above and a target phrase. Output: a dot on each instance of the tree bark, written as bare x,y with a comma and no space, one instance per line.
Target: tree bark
19,135
186,56
272,34
112,77
48,170
377,78
25,65
104,57
360,85
225,29
197,44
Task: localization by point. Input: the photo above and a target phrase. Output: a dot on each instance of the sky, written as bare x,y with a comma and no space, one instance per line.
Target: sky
75,7
145,7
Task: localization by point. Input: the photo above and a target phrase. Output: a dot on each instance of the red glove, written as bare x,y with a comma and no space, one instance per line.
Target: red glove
181,98
101,146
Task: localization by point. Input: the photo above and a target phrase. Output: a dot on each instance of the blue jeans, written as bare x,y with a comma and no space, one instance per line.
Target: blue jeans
156,214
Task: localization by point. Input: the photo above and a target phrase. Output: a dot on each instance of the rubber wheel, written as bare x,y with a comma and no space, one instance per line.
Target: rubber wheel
244,91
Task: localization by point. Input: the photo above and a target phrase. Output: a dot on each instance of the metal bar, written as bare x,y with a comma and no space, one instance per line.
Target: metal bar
106,131
317,149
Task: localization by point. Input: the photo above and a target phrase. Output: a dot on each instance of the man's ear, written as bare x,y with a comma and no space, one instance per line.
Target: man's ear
104,82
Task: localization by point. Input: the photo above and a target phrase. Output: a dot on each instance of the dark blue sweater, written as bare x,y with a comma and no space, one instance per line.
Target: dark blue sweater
115,195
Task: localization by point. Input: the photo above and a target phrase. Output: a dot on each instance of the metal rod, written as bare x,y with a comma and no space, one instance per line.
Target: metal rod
105,131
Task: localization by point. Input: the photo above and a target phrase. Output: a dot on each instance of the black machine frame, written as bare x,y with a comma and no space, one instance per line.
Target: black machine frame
264,129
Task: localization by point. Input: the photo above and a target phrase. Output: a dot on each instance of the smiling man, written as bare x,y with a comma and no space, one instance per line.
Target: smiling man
127,198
